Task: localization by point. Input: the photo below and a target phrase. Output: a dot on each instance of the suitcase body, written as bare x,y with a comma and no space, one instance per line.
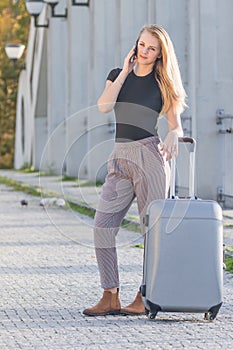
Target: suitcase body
183,258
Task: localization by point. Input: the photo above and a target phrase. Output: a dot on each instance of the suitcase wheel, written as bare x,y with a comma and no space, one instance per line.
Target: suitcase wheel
209,316
151,315
147,312
153,310
212,312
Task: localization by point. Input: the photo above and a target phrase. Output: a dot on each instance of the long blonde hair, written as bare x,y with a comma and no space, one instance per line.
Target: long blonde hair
167,72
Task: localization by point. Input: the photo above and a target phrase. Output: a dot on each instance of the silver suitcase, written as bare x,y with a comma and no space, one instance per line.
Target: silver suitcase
183,258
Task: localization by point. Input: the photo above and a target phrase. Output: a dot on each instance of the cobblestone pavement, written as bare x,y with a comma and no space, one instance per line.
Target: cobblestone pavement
90,195
48,274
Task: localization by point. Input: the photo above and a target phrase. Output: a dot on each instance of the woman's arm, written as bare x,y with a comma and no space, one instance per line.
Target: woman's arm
107,100
170,145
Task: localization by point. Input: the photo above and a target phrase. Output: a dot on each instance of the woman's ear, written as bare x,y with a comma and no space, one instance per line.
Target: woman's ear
160,55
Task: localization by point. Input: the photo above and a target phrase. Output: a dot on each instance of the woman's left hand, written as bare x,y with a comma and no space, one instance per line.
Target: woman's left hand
169,147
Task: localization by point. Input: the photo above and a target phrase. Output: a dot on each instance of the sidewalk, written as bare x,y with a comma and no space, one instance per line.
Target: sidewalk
87,196
48,274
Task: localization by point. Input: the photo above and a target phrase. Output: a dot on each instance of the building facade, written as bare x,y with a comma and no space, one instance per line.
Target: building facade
59,128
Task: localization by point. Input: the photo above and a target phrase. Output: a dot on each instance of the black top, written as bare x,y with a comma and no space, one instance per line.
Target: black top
138,105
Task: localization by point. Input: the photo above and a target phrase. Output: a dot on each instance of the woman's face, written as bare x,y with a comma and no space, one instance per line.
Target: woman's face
148,48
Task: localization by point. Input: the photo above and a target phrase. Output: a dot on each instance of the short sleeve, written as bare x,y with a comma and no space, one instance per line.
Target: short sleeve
114,74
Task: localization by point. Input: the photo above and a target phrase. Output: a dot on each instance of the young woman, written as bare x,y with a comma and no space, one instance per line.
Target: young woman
148,85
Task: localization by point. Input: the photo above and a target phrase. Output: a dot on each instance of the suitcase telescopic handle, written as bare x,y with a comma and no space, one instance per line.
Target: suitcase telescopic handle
192,149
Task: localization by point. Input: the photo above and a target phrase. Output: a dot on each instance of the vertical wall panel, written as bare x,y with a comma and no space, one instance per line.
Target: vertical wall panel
77,86
91,41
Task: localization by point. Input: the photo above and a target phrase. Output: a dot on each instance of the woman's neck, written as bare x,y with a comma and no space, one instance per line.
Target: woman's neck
142,70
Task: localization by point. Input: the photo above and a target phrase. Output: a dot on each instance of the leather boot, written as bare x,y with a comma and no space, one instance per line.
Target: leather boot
109,304
135,308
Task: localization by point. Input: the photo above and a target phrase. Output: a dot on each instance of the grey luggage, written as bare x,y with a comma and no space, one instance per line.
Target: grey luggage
183,258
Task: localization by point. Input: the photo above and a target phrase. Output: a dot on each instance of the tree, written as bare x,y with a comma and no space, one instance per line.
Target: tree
14,27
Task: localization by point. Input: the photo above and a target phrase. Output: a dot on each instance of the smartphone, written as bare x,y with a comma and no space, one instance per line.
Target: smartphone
135,52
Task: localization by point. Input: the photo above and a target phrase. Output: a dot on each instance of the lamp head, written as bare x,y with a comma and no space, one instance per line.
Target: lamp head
34,7
52,2
14,51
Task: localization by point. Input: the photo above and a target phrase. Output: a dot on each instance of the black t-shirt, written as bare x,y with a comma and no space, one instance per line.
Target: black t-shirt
138,105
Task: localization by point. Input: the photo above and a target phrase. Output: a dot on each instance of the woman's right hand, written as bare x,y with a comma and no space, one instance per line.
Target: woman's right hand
128,66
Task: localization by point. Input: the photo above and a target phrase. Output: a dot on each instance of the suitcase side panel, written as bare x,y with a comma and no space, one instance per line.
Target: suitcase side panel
183,266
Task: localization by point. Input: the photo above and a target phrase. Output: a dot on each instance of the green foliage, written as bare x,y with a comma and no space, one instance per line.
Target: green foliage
141,246
14,27
28,169
80,182
20,186
69,178
229,264
80,207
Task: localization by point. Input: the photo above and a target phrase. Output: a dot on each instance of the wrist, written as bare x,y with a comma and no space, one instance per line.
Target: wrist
176,132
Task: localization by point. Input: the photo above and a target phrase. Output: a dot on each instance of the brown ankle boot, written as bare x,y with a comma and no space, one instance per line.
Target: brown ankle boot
135,308
109,304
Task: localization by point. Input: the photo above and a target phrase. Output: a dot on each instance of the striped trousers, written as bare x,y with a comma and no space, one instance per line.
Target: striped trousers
135,169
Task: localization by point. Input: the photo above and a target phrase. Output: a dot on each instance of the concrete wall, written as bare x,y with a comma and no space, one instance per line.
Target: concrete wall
214,88
78,52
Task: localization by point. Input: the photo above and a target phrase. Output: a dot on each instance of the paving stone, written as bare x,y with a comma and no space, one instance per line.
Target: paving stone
48,275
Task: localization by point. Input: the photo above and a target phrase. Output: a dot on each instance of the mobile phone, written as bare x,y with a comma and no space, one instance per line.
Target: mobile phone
135,52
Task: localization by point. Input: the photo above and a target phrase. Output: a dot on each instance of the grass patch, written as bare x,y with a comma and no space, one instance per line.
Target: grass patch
141,246
21,186
27,169
81,183
133,217
229,249
131,226
229,264
228,225
81,208
69,178
37,191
